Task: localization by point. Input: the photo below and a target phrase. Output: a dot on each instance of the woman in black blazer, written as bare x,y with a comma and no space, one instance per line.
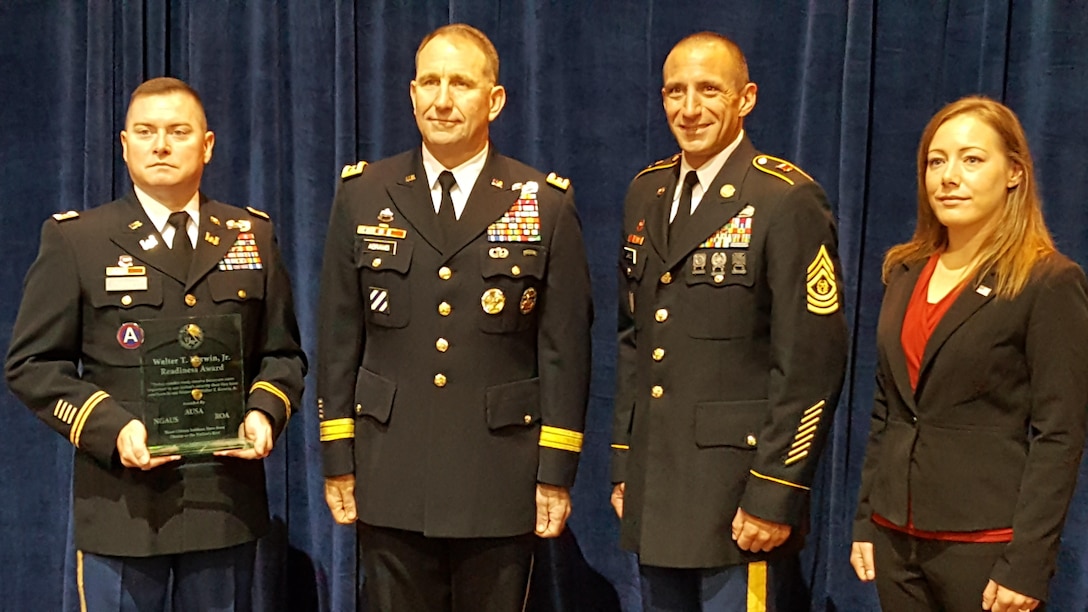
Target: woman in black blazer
982,382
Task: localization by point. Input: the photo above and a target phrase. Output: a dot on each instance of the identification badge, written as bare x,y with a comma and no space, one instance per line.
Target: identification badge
126,283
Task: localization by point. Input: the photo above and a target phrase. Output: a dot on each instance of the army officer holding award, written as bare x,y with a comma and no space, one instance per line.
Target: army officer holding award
152,528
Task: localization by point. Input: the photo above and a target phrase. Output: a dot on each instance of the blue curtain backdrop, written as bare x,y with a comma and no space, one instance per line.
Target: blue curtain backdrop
296,88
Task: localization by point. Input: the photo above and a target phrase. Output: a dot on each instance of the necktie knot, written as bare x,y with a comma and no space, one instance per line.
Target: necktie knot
446,180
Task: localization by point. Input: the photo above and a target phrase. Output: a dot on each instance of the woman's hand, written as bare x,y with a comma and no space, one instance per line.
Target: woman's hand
861,557
997,598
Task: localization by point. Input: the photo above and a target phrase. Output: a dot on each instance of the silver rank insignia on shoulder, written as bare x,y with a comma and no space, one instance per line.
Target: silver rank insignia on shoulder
149,243
386,215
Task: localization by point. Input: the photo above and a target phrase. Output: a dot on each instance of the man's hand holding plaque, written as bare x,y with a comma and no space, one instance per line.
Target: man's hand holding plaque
257,430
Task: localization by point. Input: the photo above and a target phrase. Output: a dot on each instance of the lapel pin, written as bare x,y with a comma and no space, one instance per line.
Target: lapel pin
660,190
214,240
214,219
983,290
496,183
135,225
409,178
728,191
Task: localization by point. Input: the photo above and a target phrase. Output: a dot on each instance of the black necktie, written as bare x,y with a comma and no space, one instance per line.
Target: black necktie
446,214
683,209
182,249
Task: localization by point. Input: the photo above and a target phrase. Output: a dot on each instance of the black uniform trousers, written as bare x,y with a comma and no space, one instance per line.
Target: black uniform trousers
407,571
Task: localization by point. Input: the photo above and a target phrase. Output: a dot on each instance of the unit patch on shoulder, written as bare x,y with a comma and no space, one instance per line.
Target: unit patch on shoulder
820,287
557,181
64,216
779,168
258,213
668,162
351,170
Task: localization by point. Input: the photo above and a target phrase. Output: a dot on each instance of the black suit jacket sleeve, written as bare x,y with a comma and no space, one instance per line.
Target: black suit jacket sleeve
42,366
863,523
1057,354
808,358
563,353
341,337
277,387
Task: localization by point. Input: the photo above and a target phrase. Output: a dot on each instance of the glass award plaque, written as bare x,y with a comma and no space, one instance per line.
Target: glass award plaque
193,384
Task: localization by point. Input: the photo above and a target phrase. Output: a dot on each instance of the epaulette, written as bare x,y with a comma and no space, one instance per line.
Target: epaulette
668,162
776,166
560,183
351,170
64,216
258,213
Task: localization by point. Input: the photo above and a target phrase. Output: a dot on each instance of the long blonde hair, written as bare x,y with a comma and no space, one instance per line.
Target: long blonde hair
1019,239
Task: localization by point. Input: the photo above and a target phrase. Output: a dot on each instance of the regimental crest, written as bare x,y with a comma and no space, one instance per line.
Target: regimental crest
243,254
821,289
737,234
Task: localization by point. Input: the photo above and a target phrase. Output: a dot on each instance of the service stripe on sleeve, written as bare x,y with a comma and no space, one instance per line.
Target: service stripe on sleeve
337,429
621,447
84,412
267,386
777,480
562,439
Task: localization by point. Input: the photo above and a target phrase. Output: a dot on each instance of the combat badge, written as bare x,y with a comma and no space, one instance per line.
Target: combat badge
386,215
493,301
821,290
528,301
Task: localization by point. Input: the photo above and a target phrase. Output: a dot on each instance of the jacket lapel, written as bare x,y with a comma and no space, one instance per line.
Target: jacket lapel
896,299
717,206
213,239
967,303
657,218
486,203
138,237
412,196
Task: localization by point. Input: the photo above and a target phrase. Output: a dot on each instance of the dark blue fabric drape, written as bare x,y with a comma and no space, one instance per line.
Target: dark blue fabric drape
297,88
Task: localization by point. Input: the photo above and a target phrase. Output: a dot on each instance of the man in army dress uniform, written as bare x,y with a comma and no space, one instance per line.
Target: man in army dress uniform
164,251
732,349
454,349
